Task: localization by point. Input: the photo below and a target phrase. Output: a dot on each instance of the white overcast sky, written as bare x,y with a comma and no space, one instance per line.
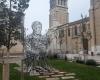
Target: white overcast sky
39,11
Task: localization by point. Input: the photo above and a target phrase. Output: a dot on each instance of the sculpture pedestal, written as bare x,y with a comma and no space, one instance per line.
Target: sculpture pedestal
6,62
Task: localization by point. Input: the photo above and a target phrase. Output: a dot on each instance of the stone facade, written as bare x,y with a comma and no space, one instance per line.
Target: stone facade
95,25
77,36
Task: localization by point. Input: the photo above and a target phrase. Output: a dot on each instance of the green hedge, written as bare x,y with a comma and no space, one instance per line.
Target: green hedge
91,62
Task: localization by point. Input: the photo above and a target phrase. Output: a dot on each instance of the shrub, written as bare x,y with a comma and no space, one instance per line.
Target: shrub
91,62
80,61
49,56
55,56
52,56
66,58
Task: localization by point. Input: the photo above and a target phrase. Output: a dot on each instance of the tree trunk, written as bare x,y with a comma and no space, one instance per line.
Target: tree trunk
5,75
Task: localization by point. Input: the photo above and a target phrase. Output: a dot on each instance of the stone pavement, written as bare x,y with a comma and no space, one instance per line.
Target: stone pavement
53,75
59,76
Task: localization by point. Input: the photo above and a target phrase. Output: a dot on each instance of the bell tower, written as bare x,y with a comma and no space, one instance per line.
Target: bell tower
58,13
95,25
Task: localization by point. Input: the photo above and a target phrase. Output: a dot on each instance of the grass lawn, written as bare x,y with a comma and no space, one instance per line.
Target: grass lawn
16,75
83,72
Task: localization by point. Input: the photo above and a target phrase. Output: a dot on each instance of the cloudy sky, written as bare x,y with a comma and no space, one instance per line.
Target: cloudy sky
39,11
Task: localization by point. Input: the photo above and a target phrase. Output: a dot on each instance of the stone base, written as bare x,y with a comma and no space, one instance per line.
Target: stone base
5,75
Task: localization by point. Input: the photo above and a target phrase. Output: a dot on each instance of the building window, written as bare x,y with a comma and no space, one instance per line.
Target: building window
58,2
75,30
61,33
61,2
52,4
88,26
64,2
84,27
68,32
79,30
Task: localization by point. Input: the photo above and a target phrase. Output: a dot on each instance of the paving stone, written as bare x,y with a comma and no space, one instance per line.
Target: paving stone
46,73
67,77
56,71
52,78
59,75
62,72
70,74
76,79
43,76
34,73
50,73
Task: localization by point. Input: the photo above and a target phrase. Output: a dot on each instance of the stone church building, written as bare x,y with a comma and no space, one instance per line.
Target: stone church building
73,37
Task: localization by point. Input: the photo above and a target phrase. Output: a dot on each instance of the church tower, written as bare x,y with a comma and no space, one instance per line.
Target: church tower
95,25
58,13
58,16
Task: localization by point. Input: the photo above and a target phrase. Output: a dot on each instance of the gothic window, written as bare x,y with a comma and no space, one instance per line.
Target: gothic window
51,20
61,33
84,27
88,26
58,2
79,30
52,3
63,2
75,30
92,3
68,32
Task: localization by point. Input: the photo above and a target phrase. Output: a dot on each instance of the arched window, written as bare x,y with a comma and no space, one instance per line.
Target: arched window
52,3
58,2
63,2
61,33
75,30
68,32
78,30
